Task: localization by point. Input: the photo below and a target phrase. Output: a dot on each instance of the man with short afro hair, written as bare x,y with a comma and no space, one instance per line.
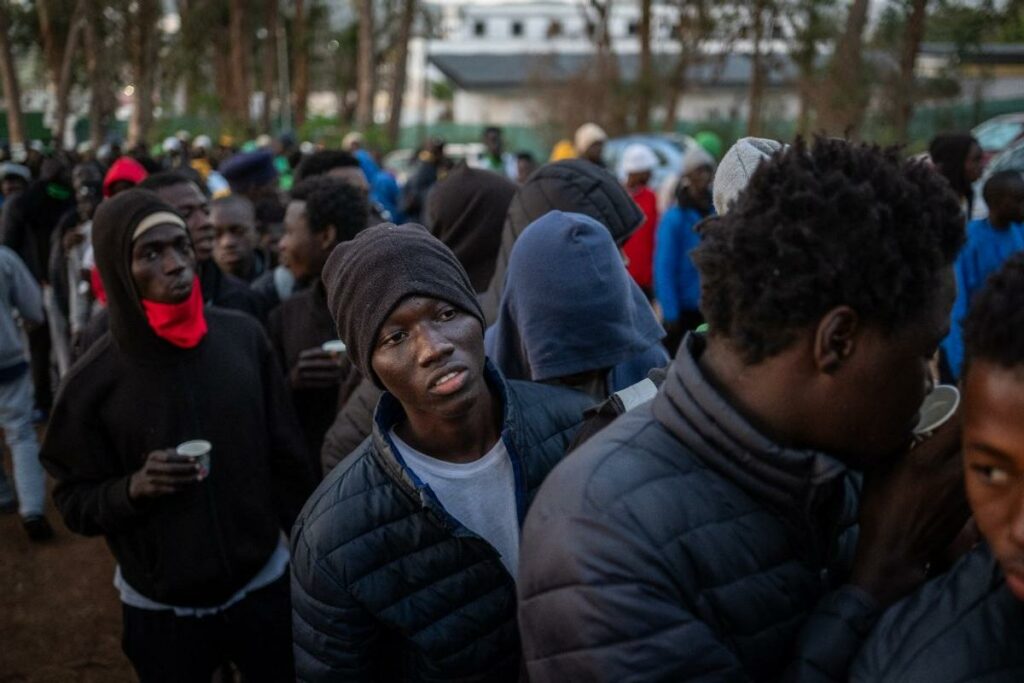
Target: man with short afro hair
323,212
709,534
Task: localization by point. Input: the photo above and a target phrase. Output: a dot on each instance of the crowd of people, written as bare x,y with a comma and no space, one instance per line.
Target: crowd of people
506,422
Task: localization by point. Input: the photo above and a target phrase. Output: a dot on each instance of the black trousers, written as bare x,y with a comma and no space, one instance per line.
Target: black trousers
39,352
254,634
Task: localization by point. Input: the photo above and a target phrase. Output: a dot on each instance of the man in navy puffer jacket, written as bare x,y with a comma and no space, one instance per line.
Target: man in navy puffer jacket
707,534
406,556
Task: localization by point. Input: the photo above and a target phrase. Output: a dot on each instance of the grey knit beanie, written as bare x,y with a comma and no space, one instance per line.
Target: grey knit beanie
737,166
367,277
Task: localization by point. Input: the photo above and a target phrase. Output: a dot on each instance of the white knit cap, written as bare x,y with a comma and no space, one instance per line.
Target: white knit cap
694,158
588,134
638,158
738,165
351,140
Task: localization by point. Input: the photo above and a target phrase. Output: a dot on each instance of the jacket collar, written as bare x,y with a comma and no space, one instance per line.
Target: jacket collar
389,412
797,483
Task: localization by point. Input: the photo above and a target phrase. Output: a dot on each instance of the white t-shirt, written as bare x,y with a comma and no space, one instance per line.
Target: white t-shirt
480,494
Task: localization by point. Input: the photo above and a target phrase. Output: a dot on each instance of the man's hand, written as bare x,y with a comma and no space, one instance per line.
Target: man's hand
316,369
164,472
911,511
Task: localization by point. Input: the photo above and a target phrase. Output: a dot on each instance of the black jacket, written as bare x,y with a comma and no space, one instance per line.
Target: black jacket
681,544
29,221
304,322
352,424
574,185
387,586
962,626
133,393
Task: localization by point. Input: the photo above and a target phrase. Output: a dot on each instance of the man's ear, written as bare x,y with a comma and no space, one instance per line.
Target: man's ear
328,236
836,338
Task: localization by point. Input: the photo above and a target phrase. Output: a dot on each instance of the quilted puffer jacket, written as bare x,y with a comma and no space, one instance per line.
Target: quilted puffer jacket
962,626
387,586
681,544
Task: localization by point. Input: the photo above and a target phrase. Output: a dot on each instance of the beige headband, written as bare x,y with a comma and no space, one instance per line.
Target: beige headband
155,219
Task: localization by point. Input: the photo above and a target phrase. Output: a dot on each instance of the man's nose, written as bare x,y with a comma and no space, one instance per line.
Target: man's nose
432,346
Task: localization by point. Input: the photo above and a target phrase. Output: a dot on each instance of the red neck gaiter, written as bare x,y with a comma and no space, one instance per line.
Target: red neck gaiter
180,324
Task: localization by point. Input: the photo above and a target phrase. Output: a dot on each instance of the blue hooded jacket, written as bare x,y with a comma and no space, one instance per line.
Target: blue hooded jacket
569,307
985,251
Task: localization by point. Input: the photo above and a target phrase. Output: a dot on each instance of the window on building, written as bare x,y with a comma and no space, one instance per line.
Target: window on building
555,28
517,28
479,28
633,28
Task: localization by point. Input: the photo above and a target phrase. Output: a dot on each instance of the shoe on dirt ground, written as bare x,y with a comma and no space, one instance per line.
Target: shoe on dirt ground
37,528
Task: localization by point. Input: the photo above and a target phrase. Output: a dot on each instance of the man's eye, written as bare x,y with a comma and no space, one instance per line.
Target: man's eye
992,475
392,339
447,314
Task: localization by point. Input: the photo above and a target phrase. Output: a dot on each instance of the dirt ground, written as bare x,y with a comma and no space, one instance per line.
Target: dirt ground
60,618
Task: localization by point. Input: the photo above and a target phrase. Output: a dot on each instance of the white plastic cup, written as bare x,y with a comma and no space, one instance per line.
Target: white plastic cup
335,347
936,410
198,450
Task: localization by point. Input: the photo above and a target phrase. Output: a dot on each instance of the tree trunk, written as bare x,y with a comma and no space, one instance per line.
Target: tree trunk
64,84
238,40
269,57
365,66
300,50
646,77
401,62
143,69
756,94
12,93
845,97
51,42
92,68
913,34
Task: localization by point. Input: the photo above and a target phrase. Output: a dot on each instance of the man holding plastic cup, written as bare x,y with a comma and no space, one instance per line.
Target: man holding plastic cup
196,531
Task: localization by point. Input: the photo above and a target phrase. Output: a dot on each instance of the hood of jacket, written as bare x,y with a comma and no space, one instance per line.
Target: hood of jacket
112,228
599,318
803,485
575,186
466,210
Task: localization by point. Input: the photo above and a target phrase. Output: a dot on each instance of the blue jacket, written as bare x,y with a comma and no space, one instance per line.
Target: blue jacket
962,626
386,585
984,252
676,281
569,307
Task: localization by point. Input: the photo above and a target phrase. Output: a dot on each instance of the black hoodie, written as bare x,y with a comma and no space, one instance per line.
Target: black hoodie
133,393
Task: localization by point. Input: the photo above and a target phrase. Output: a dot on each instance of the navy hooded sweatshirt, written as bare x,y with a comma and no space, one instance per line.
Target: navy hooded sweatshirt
570,307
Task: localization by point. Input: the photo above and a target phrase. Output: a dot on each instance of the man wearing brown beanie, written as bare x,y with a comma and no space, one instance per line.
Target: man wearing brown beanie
406,555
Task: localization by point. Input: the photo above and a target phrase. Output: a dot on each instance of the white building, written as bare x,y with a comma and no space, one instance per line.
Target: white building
499,58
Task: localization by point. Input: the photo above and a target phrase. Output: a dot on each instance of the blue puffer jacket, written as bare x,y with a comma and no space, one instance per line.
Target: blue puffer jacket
387,586
681,544
962,626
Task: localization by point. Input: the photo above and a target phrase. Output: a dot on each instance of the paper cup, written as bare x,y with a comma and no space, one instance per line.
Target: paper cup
938,407
200,451
335,347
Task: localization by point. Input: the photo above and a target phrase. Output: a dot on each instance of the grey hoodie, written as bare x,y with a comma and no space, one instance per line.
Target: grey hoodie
20,295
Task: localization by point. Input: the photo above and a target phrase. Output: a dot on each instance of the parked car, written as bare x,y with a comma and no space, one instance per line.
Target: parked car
999,134
401,161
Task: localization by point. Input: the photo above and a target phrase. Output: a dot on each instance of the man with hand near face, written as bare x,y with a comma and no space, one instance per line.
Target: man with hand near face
406,556
967,625
202,562
707,535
